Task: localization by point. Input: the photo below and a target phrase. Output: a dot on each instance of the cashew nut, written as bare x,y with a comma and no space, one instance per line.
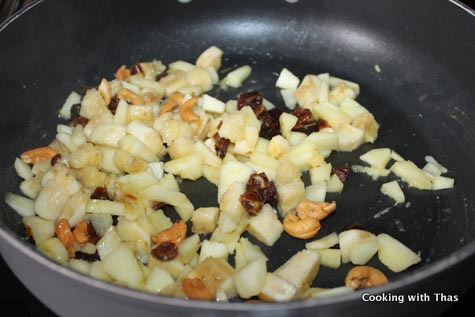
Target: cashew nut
177,97
319,210
130,96
38,154
122,73
364,277
168,106
105,90
175,234
195,288
305,228
186,111
65,236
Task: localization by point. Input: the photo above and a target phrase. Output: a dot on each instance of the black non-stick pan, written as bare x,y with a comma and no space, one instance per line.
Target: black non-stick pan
423,96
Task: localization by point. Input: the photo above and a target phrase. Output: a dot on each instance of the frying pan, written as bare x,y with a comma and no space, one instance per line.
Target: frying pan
423,98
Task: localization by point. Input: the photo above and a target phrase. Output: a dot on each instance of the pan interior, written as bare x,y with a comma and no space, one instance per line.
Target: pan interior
421,97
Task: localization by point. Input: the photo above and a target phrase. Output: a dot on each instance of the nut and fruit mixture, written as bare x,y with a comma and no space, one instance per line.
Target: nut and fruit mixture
99,198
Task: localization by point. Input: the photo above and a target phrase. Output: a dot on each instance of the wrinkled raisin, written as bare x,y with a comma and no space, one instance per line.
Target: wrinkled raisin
75,109
220,145
251,202
79,121
55,159
100,193
113,105
161,75
136,69
322,124
252,99
165,251
156,205
87,257
305,123
92,234
341,172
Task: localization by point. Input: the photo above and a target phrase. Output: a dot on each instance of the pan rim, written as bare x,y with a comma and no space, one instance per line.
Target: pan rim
419,276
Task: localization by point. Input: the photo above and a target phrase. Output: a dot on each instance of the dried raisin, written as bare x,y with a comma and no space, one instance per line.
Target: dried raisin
100,193
165,251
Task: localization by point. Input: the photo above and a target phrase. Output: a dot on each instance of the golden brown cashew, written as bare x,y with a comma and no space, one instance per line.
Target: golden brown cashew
38,154
177,97
130,96
186,111
122,73
305,228
168,106
195,288
364,277
319,210
105,90
65,236
175,234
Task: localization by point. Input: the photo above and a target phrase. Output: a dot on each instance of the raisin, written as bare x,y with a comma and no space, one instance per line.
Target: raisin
341,172
136,69
252,99
55,159
79,121
221,145
165,251
156,205
161,75
92,234
75,109
251,202
113,105
305,123
87,257
271,121
100,193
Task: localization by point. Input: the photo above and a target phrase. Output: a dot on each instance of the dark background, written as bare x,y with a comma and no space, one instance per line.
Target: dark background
16,300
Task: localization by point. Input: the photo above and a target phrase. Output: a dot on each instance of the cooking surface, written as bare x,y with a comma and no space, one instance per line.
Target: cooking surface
16,300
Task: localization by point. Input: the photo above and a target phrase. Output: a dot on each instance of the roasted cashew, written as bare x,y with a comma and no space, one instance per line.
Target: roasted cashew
186,110
177,97
65,236
38,154
105,90
305,228
130,96
175,234
82,233
168,106
364,277
319,210
195,288
122,73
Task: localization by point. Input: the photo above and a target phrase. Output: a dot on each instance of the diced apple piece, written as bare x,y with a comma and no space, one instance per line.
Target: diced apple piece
300,270
75,209
205,220
232,171
123,267
211,174
208,157
213,272
377,157
31,187
349,137
55,250
287,80
250,280
80,266
288,95
230,239
287,121
355,238
302,155
368,124
335,185
290,195
330,258
411,174
107,160
213,105
352,108
395,255
136,182
442,182
23,206
330,113
374,172
320,173
108,243
169,182
22,169
135,147
213,249
120,116
147,135
157,280
99,206
226,224
265,226
187,167
39,228
296,138
317,191
210,57
236,77
276,289
100,222
246,252
334,81
92,104
229,202
107,134
73,98
278,146
188,248
131,231
393,190
181,203
324,140
323,243
308,91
